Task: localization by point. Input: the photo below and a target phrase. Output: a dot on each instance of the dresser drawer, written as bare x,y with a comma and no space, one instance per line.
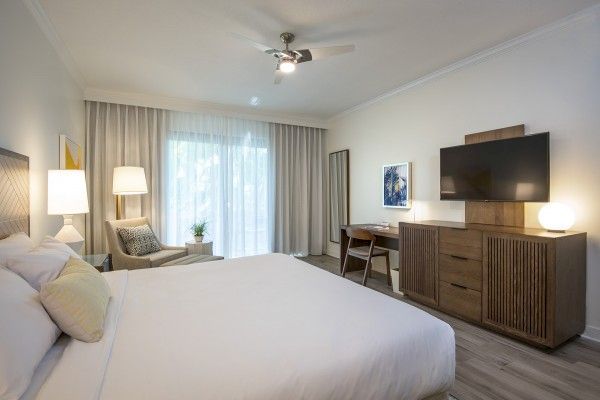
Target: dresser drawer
462,271
460,301
465,243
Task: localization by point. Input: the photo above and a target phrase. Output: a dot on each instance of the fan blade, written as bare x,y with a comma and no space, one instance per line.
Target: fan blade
323,52
278,76
262,47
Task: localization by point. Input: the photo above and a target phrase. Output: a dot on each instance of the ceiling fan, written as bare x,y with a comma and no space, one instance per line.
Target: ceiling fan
287,58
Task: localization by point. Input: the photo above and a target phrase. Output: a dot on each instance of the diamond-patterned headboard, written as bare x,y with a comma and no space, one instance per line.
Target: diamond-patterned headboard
14,193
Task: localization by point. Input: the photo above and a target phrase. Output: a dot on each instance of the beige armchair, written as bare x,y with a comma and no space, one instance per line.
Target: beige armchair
122,260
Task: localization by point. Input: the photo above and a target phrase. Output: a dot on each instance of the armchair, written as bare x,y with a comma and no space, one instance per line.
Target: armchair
122,260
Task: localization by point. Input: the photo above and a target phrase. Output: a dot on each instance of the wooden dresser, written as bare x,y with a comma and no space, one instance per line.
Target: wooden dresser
527,283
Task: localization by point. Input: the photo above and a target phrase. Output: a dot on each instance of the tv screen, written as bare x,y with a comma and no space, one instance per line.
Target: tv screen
515,169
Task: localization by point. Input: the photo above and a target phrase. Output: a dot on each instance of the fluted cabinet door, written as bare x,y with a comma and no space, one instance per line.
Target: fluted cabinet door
516,276
418,252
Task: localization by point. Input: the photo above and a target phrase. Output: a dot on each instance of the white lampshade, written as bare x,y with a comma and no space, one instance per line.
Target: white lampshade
556,217
129,180
67,192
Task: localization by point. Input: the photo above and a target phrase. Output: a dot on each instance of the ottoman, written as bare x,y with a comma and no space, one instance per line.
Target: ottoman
191,259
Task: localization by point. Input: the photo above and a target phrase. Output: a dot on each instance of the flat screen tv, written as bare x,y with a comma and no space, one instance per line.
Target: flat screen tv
515,169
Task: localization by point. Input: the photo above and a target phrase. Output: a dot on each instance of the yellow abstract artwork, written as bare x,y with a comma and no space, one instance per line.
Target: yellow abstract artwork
71,156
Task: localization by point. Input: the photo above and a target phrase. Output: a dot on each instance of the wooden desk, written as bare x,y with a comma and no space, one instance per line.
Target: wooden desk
386,238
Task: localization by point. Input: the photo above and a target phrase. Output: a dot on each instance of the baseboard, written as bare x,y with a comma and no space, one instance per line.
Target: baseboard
592,333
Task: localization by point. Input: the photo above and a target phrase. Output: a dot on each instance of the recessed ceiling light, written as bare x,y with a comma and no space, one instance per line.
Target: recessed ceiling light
254,101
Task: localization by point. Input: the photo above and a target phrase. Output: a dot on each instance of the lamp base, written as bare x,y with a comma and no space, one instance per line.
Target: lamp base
69,235
118,206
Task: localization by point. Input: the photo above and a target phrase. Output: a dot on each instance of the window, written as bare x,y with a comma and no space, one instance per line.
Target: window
218,169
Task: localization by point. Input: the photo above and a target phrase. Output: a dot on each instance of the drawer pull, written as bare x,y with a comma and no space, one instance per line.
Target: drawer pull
459,286
460,258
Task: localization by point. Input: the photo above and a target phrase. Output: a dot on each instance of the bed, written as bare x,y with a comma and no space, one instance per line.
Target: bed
263,327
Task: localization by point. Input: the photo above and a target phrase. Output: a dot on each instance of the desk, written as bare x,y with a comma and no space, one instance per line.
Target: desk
386,238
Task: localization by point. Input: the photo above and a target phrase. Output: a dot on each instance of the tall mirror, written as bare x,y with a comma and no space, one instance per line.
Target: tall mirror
339,193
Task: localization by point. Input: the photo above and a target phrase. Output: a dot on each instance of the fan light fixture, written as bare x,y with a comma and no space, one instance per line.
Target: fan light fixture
287,66
288,58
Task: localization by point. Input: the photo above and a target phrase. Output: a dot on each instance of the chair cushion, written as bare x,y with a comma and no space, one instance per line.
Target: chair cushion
160,257
77,300
139,240
363,251
192,259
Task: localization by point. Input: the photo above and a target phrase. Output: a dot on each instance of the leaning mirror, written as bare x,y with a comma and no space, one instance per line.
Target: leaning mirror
339,186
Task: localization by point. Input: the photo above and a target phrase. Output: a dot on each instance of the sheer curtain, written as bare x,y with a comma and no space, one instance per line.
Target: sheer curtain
217,168
119,135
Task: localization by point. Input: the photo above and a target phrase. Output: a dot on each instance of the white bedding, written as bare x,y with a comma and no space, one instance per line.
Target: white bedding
264,327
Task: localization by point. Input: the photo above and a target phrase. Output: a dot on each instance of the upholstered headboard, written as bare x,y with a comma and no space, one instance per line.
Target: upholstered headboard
14,193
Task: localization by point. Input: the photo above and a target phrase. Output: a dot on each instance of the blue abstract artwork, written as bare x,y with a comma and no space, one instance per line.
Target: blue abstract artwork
396,185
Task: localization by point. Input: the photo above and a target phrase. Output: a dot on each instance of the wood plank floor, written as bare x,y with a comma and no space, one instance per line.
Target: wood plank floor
491,366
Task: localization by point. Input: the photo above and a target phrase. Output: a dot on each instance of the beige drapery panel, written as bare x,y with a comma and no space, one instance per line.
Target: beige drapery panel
298,200
118,135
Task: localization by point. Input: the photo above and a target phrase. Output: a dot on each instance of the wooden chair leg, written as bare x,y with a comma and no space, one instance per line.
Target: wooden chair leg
367,269
387,266
345,265
346,259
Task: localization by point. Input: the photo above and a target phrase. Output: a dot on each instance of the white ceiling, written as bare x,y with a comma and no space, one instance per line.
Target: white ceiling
185,48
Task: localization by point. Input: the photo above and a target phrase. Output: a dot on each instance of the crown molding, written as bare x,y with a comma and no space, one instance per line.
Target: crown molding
40,16
189,105
477,58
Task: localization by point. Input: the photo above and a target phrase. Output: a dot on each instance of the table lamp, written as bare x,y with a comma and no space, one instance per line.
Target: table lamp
67,195
556,217
127,181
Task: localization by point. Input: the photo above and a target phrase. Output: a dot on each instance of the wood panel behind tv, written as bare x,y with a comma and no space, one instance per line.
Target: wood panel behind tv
494,212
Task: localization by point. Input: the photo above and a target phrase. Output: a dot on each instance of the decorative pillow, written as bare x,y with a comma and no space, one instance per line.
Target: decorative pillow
77,300
14,245
26,334
52,243
139,240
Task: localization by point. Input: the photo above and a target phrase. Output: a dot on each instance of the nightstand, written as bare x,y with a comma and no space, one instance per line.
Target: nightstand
102,262
204,248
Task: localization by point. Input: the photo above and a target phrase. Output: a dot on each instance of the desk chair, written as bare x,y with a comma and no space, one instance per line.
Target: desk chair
365,252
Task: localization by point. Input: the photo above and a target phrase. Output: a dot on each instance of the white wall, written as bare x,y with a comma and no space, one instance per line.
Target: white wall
551,83
38,101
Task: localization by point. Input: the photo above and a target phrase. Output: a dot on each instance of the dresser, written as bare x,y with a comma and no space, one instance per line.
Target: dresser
526,283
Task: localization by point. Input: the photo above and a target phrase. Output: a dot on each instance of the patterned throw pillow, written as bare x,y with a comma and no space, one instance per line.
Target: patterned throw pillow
139,240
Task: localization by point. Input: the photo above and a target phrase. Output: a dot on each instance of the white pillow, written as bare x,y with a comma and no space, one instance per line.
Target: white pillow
26,334
39,266
14,245
51,243
42,264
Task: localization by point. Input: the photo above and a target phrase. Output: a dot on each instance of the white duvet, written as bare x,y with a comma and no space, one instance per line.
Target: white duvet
264,327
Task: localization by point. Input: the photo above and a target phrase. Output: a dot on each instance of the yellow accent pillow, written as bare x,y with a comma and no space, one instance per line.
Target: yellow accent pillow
77,300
